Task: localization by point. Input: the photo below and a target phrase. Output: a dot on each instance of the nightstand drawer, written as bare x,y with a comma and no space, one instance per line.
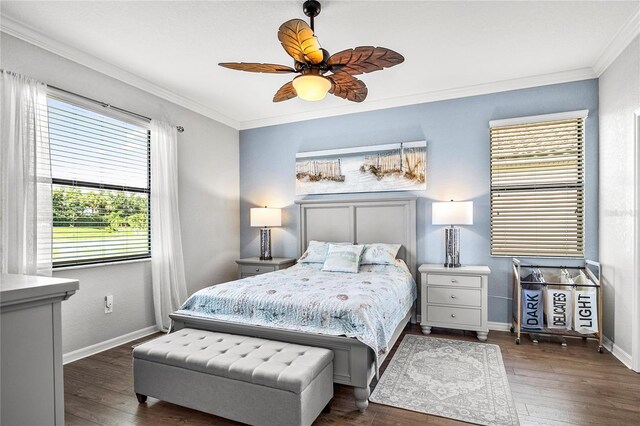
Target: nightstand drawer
455,280
454,296
256,269
457,316
245,275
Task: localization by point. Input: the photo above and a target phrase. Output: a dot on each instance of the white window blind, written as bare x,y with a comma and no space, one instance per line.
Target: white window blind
101,177
537,186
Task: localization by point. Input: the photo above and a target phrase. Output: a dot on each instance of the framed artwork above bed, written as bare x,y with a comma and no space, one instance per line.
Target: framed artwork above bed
378,168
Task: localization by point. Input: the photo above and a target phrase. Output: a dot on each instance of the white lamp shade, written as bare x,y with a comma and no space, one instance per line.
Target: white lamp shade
452,213
264,216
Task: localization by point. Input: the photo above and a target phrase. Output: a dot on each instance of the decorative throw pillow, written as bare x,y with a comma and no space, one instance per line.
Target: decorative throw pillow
317,252
380,254
343,258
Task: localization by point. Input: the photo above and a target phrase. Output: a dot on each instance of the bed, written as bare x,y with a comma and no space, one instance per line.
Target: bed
357,350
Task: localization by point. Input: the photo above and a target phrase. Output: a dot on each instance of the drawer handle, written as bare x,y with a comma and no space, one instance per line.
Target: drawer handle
453,315
257,269
453,296
453,280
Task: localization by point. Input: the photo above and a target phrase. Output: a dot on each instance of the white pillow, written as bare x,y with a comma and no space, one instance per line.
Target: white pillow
380,254
317,252
343,258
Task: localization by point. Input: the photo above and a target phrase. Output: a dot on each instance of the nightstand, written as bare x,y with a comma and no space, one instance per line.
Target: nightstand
254,266
454,298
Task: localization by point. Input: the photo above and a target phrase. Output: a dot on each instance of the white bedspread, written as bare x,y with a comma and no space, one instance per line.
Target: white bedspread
368,305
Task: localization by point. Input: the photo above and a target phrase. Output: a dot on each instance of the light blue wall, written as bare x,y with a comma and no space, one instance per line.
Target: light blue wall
457,133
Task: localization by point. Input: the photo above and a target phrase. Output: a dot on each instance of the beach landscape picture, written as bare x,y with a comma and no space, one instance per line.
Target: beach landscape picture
389,167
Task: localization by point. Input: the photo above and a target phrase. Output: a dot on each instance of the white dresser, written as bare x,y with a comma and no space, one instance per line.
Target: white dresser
32,390
454,298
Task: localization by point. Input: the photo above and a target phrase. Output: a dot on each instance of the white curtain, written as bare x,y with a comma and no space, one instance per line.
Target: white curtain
167,265
25,177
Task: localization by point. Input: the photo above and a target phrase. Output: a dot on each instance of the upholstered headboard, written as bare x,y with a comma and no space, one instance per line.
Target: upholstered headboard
361,221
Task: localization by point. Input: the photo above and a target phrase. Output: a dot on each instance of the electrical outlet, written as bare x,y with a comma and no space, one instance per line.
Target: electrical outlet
108,304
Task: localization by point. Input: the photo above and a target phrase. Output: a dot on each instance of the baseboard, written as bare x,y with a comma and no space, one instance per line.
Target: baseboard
107,344
624,357
499,326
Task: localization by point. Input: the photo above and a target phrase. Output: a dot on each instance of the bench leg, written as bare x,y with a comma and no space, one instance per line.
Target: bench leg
141,398
362,397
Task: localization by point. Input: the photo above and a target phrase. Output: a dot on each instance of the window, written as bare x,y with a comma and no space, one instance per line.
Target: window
101,178
537,186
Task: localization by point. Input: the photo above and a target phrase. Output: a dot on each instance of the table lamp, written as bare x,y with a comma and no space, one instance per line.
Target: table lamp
265,217
452,213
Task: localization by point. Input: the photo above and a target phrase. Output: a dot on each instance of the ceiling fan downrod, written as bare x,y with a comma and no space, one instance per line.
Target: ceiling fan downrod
311,8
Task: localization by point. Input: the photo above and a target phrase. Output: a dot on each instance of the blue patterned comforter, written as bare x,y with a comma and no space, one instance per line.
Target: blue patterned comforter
368,305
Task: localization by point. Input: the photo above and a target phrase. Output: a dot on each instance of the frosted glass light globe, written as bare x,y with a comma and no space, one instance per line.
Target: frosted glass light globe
311,87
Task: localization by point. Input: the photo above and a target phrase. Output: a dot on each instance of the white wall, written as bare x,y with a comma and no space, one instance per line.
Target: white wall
209,201
619,99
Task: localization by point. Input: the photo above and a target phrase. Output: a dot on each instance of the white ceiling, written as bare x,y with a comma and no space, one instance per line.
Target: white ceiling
450,48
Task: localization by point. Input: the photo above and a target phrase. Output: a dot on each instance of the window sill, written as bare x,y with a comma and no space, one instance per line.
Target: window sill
100,265
518,256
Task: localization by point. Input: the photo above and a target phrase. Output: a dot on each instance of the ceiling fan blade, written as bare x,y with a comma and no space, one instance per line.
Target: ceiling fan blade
299,42
347,87
286,92
254,67
364,59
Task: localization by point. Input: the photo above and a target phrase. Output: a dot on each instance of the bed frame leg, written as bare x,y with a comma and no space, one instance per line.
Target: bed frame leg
362,398
141,398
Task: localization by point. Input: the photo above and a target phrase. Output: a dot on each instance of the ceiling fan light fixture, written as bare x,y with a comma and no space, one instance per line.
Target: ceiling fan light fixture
311,87
312,61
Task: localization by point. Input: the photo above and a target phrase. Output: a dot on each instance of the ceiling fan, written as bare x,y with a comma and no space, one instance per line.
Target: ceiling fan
312,62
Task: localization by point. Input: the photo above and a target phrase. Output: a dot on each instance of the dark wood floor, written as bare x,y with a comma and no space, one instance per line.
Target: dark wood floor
551,385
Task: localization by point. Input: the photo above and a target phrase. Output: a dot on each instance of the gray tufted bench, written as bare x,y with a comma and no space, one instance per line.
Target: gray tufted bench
251,380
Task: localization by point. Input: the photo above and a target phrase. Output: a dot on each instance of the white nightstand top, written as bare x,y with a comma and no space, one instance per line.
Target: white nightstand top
462,270
276,261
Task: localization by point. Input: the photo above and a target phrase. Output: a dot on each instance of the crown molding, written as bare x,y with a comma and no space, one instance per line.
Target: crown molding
627,33
31,35
439,95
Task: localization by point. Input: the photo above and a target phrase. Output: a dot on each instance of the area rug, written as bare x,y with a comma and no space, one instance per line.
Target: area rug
448,378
